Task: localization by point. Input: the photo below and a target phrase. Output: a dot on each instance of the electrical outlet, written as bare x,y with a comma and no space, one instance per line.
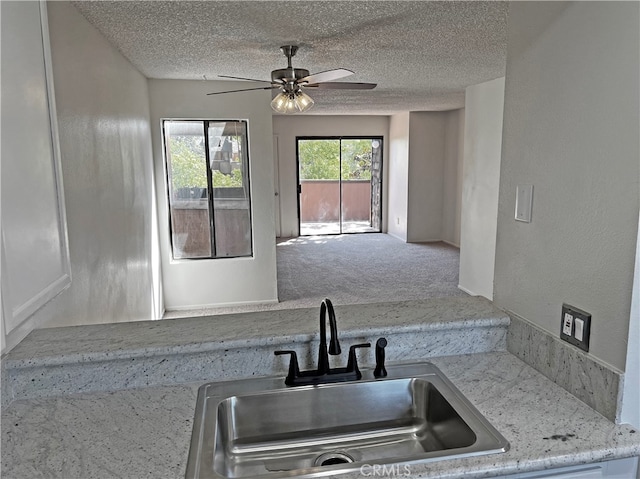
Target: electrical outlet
575,326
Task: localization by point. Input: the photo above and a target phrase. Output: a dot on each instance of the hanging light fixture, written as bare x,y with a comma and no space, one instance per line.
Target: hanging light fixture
293,101
290,81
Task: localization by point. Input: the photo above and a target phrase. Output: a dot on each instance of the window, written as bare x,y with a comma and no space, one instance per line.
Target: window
208,176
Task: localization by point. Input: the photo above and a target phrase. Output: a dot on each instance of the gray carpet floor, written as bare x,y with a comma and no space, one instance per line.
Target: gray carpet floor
355,269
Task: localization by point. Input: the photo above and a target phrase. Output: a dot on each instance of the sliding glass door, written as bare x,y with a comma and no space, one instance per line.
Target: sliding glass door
339,185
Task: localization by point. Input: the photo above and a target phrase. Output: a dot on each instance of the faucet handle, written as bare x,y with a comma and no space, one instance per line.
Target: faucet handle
294,370
352,363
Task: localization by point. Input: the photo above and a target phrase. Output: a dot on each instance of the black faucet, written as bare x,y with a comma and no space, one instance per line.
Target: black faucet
334,344
324,373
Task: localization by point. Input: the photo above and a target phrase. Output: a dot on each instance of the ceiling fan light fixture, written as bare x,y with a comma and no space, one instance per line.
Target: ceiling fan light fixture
290,81
278,104
289,103
303,101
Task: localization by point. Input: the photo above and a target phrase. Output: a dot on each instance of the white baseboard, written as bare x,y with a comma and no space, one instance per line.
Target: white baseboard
467,291
220,305
404,240
473,293
451,243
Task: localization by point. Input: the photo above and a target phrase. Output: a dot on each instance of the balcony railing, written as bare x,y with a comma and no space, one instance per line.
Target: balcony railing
320,200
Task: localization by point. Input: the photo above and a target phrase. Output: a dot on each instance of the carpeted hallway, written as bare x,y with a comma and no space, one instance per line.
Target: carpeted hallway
357,268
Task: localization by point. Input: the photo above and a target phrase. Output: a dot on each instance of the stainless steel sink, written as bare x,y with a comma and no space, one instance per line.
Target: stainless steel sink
260,428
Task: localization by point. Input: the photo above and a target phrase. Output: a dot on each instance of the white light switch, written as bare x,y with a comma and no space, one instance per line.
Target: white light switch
579,329
524,200
575,327
566,326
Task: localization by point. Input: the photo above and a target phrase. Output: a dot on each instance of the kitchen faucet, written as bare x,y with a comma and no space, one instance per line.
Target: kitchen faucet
334,344
324,374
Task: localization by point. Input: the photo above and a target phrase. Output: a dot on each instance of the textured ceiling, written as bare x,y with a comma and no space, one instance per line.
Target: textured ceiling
421,54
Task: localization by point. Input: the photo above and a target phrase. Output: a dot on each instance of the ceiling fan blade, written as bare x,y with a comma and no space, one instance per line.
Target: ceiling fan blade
342,86
245,79
329,75
245,89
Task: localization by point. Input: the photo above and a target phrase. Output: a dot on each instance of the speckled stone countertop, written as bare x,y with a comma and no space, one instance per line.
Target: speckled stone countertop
83,359
188,335
140,433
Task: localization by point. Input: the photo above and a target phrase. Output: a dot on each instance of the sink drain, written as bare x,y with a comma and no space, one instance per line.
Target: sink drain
331,458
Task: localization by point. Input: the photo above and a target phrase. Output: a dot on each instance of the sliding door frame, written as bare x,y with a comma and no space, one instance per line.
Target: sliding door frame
340,138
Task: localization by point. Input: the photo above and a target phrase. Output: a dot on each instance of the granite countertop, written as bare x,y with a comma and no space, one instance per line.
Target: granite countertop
82,344
83,359
146,432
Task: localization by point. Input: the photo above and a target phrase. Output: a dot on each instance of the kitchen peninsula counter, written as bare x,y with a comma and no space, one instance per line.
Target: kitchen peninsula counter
146,432
118,400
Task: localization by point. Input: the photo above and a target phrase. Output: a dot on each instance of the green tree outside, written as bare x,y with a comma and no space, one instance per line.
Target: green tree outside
234,180
188,167
356,159
320,159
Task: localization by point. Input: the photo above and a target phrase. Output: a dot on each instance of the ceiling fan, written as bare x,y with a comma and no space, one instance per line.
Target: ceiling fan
292,81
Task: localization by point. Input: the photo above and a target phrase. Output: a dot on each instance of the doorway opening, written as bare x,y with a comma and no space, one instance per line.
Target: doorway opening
339,185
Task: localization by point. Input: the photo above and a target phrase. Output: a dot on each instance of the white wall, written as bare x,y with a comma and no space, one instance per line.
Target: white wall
103,115
426,176
453,159
630,412
571,123
35,254
398,176
287,128
484,105
189,284
103,120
